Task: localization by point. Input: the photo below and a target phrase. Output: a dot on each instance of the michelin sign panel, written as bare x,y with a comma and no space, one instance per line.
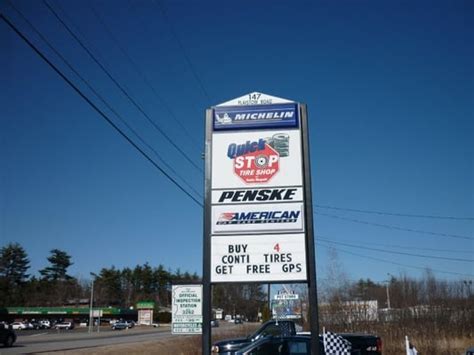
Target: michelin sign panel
263,116
257,216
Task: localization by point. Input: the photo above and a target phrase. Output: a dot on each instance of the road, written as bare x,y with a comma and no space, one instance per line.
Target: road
29,342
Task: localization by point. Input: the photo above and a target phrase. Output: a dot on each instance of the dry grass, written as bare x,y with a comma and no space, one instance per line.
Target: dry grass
174,345
393,340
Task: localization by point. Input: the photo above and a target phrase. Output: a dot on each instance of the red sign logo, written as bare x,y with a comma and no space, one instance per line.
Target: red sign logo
259,166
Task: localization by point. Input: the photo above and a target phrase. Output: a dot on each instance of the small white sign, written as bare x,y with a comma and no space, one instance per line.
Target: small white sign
186,317
286,296
255,98
267,257
281,217
96,313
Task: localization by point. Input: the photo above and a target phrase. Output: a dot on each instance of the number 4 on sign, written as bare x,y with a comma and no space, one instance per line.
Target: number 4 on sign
277,247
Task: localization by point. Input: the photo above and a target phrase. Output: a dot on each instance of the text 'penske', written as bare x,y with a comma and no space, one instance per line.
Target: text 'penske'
284,194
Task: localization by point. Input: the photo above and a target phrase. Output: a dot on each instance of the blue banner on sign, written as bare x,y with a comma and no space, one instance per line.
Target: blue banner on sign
251,117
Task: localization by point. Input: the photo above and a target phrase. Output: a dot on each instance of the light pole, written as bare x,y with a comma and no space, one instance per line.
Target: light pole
388,295
91,318
388,292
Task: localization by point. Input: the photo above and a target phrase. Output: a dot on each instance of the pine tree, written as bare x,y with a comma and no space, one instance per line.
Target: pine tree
13,266
60,261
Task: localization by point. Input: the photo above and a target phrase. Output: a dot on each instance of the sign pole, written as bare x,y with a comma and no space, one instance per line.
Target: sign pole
312,286
206,262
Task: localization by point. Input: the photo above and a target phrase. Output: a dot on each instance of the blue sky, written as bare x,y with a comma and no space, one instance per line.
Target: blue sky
389,88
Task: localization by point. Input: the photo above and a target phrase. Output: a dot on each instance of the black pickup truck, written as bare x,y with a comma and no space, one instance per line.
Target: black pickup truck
362,344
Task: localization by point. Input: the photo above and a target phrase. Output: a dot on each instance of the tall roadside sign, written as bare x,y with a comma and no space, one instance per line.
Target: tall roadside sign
258,224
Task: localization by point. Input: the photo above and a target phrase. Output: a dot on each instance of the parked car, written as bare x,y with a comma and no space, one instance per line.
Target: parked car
46,324
155,325
296,344
238,321
39,325
7,336
120,325
130,323
18,326
29,325
362,344
64,325
214,323
470,351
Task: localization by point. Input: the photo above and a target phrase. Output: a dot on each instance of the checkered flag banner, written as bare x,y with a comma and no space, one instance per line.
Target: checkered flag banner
335,344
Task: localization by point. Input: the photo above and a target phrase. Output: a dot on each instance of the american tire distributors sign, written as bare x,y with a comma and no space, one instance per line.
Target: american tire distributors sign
257,217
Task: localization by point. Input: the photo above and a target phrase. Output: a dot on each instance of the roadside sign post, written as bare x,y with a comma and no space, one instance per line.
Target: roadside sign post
258,224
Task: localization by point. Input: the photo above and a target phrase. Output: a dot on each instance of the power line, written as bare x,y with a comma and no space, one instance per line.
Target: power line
363,257
102,114
103,99
394,252
407,247
394,227
142,74
137,106
180,44
394,214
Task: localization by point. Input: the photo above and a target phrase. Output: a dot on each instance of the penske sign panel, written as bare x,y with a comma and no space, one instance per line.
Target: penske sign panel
265,195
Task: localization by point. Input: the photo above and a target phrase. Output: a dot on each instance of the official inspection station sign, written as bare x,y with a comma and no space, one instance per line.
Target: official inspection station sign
186,317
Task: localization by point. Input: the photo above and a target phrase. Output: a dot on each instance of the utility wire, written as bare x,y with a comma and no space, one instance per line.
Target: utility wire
394,214
406,247
180,44
102,99
121,88
101,113
142,74
362,256
394,227
394,252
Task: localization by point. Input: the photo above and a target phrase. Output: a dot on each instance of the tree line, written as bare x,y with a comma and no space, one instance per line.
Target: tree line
409,299
114,287
55,287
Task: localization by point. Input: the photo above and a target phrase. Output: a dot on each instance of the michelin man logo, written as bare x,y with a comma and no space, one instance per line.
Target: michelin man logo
225,119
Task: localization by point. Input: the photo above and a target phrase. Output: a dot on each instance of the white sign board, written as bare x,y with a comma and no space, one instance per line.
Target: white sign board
255,98
286,296
186,317
271,257
96,313
257,215
257,196
256,159
281,217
